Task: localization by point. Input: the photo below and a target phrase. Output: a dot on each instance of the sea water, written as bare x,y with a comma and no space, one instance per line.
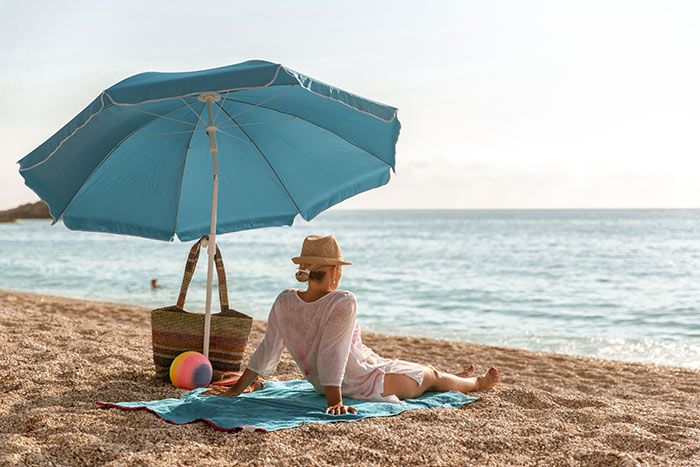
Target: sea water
619,284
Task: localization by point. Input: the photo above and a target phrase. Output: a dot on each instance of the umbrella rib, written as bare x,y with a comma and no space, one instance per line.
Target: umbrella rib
259,123
291,86
195,113
107,157
161,116
232,136
264,158
219,109
167,133
314,124
182,176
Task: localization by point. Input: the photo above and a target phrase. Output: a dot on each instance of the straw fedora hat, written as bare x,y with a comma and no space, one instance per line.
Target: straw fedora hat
321,251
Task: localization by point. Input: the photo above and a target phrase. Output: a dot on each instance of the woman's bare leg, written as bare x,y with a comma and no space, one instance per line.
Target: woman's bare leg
404,387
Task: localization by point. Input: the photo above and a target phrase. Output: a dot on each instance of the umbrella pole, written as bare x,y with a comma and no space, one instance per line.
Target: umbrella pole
209,98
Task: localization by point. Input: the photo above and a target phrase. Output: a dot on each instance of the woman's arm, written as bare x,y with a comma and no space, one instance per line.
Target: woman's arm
333,353
263,361
334,397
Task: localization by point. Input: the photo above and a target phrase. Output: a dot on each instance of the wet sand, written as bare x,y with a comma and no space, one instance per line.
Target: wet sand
59,356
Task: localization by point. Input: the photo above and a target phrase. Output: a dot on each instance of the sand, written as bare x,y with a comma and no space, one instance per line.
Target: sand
59,356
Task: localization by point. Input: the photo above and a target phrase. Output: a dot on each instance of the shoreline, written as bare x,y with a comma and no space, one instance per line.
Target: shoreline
393,336
551,409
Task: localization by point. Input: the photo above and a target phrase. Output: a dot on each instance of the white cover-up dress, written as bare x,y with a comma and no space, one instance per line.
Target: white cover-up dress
325,341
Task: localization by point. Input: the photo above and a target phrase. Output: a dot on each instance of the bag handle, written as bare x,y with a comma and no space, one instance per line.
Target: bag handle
189,272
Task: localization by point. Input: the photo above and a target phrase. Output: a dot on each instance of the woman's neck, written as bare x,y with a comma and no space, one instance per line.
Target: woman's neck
314,292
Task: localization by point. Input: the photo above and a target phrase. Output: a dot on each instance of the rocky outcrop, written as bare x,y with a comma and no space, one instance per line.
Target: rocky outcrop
37,210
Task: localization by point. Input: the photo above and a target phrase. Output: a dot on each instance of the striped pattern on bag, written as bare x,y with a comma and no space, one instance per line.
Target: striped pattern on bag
175,330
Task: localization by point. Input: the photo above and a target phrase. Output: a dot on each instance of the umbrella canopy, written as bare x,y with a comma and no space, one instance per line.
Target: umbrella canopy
137,160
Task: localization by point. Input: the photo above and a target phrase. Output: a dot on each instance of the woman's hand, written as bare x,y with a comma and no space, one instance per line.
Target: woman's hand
246,383
334,397
222,391
340,409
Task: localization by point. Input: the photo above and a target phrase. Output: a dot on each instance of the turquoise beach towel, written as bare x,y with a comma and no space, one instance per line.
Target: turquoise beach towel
279,405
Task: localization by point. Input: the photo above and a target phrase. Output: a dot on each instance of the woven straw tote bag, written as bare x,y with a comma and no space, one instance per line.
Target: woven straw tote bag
175,330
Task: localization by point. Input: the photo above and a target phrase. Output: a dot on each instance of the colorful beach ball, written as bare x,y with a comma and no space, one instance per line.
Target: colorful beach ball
190,370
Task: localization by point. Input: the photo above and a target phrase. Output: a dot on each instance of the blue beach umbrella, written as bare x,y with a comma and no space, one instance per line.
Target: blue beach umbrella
250,145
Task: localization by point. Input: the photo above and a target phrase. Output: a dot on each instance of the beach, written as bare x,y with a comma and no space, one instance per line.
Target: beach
61,355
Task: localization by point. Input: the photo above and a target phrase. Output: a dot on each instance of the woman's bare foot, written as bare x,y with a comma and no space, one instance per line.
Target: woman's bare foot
489,380
468,371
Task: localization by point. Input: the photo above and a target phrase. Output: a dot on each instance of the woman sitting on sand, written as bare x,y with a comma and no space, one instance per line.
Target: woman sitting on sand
319,329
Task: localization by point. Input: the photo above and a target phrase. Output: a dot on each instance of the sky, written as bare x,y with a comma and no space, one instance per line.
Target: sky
503,104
